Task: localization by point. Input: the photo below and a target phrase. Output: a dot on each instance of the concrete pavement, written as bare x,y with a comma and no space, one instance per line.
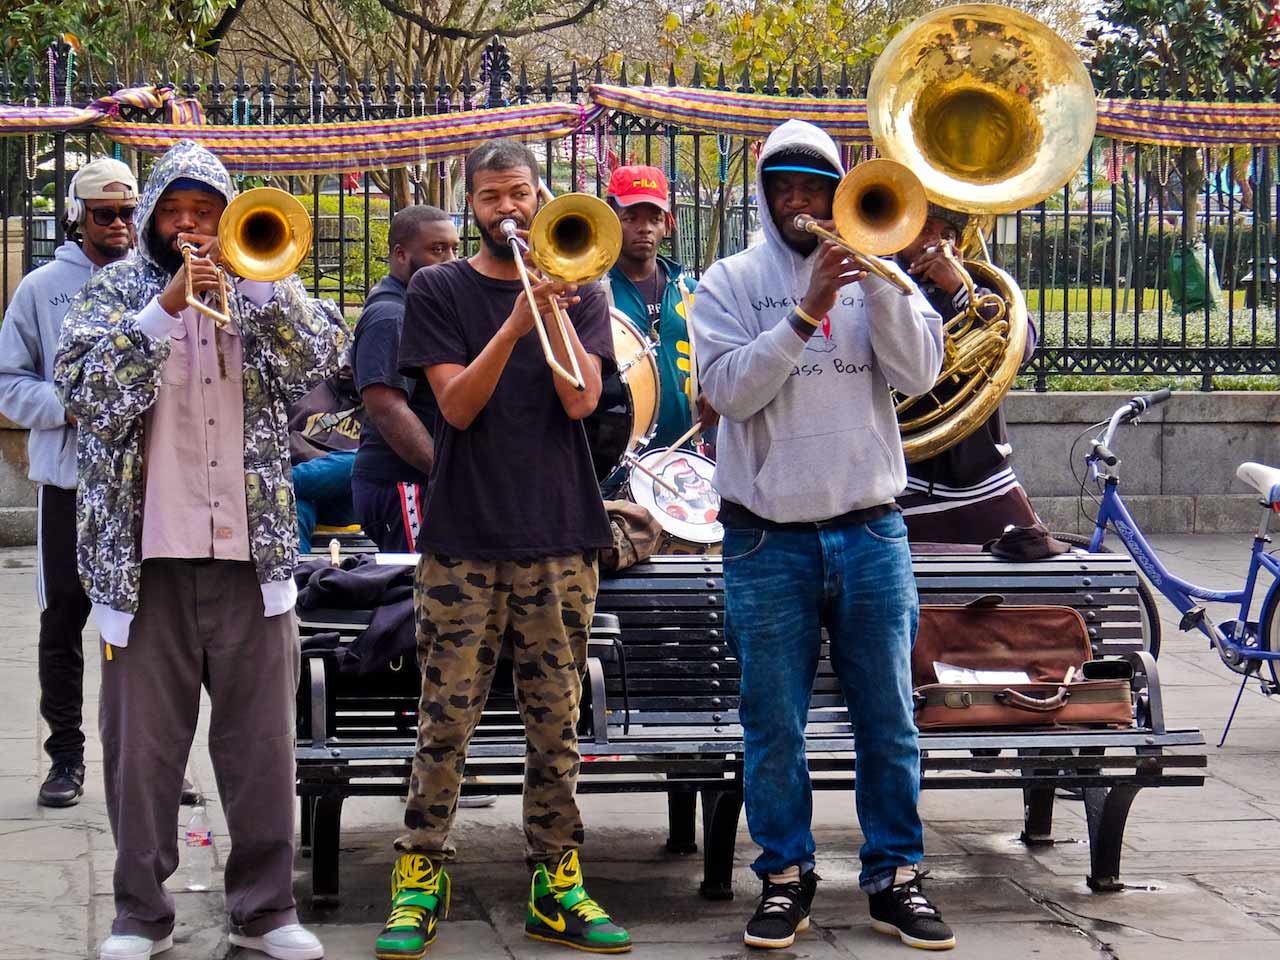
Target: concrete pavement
1204,863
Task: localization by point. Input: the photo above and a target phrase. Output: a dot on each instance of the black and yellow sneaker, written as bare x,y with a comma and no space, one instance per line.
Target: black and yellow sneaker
419,900
561,912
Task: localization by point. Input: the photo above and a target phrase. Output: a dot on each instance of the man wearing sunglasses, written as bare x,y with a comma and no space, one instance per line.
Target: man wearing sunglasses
100,205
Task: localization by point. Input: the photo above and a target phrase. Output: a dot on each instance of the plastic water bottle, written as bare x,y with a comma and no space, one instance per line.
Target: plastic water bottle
198,858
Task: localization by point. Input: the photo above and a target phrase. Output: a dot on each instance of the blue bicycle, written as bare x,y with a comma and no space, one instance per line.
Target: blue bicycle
1245,646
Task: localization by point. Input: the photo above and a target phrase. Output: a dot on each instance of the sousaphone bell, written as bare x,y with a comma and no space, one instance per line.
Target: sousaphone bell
994,112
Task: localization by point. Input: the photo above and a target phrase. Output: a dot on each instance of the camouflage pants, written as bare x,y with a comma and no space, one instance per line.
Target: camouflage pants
465,609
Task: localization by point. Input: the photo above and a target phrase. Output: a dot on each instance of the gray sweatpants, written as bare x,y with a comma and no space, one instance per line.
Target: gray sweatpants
201,619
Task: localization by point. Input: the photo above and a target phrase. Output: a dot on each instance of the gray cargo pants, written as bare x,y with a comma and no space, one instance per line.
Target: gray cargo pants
201,619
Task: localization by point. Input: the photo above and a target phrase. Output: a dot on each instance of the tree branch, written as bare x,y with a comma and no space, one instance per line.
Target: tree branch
224,24
458,33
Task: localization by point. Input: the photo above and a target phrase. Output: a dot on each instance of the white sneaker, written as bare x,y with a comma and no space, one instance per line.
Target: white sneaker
294,942
121,947
478,800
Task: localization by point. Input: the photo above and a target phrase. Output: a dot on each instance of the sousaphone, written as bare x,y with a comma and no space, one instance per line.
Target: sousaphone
993,111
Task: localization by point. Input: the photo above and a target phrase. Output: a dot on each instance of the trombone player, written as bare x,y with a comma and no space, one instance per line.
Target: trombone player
509,542
797,345
187,543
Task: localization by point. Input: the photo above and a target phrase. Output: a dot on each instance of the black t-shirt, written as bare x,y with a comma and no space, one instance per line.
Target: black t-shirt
518,483
375,351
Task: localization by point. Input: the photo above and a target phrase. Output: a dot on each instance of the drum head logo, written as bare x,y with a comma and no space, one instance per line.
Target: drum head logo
697,503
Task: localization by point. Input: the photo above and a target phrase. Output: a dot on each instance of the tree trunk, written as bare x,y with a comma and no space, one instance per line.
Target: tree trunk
401,192
1191,167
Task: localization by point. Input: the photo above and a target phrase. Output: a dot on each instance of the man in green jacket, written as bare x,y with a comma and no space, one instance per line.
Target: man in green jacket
646,288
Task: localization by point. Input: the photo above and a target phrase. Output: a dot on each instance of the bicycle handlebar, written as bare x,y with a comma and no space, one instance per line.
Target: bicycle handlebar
1127,413
1140,404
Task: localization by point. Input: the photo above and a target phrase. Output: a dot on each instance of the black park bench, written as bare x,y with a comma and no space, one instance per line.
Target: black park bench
660,715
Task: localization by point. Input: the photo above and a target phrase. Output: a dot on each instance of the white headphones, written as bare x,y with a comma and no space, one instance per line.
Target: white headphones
75,206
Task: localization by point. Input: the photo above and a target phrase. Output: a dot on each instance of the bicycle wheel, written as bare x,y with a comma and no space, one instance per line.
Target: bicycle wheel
1269,632
1147,600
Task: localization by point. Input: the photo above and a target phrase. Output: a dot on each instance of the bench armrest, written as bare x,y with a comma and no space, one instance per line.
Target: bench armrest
606,623
599,714
1146,685
318,701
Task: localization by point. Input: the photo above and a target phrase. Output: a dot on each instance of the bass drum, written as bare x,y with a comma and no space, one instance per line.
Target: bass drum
627,413
689,521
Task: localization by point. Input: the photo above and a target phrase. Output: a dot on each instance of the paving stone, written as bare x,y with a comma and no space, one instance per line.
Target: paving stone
64,882
1164,950
27,932
1171,908
1254,775
1138,866
39,841
1230,835
18,798
1256,892
1214,802
980,941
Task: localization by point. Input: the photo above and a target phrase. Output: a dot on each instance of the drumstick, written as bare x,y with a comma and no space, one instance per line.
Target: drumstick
693,357
334,550
689,435
655,478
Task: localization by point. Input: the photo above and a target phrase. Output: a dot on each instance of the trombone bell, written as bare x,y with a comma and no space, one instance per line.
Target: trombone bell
879,207
575,238
264,234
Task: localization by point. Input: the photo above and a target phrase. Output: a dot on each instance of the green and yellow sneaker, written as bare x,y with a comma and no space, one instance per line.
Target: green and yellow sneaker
419,900
561,912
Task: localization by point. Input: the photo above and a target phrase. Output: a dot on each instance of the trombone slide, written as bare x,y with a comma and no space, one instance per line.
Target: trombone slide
573,377
220,315
868,263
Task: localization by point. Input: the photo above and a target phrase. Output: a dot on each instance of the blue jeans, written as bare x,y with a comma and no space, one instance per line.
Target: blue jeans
781,587
322,488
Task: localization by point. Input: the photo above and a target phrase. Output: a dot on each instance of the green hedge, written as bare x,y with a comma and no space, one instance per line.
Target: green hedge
1080,253
352,262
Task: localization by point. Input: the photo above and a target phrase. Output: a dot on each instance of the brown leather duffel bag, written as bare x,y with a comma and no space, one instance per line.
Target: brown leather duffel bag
1049,644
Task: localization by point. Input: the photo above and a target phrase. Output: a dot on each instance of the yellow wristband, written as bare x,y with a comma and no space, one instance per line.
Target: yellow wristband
806,318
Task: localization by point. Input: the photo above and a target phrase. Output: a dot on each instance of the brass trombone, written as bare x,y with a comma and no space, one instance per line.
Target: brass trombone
574,239
879,208
263,235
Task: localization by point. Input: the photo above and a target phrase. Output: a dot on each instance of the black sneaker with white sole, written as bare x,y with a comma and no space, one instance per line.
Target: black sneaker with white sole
783,912
905,912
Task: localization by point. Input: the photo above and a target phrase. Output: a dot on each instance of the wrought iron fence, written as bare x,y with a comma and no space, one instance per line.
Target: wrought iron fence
1108,283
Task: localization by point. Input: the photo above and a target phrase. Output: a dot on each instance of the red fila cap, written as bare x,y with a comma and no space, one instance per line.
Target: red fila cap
639,184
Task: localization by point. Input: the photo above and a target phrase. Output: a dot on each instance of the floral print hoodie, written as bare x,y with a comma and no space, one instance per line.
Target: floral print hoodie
107,371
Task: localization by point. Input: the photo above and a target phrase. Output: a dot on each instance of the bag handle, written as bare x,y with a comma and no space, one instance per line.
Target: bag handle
1015,698
984,602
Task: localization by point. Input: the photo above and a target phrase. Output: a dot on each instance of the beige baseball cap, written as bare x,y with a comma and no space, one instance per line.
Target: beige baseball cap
91,182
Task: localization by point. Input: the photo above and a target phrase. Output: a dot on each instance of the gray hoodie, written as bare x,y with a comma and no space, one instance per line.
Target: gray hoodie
808,429
28,342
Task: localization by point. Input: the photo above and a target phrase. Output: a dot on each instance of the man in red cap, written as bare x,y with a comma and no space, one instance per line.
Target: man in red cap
646,288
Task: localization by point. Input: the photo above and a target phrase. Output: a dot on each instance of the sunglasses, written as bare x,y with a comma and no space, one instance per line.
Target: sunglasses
106,216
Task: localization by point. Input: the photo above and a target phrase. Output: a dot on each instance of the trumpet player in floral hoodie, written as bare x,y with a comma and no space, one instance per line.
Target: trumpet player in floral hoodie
186,546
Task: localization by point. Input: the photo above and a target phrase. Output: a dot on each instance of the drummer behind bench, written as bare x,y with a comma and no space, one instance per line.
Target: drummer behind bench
654,293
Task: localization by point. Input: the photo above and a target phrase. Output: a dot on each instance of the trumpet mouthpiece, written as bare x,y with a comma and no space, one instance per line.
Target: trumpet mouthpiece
508,228
803,221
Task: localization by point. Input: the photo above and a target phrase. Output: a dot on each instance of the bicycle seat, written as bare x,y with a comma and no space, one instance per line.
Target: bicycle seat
1264,479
